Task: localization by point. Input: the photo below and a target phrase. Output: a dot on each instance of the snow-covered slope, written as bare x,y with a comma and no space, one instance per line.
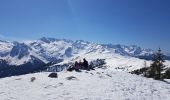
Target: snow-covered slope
17,53
50,50
115,61
56,50
93,85
101,84
67,48
5,48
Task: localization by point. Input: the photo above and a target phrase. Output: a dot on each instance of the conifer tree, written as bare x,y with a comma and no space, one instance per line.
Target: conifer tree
157,66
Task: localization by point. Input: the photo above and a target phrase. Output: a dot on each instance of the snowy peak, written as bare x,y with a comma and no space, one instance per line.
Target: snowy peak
51,49
1,41
49,40
134,50
20,50
5,48
131,50
34,55
80,44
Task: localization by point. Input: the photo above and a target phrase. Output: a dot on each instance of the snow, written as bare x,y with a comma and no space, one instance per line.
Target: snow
5,47
100,84
50,49
16,61
115,61
113,83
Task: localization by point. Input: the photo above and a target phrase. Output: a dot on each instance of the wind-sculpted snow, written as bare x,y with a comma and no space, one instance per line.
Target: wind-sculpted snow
99,84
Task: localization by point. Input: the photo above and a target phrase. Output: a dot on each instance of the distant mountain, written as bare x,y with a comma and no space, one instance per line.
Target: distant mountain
50,50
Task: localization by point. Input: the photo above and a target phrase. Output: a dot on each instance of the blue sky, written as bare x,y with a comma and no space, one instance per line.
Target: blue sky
141,22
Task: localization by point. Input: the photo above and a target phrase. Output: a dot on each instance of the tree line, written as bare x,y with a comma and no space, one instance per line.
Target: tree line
156,70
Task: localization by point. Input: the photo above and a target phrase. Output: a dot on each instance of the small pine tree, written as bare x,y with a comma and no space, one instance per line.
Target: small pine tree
157,66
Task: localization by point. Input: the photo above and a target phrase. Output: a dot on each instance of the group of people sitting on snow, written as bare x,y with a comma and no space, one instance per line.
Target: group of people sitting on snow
80,65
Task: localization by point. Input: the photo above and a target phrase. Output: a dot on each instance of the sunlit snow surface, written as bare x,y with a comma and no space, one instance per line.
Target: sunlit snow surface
100,84
113,83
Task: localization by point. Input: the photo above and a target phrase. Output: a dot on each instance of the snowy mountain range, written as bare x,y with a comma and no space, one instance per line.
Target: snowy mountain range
50,49
38,53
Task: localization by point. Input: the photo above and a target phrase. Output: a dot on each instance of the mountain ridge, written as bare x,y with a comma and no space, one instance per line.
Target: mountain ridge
51,48
46,51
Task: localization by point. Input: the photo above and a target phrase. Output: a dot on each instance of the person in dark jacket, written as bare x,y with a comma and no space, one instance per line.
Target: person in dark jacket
77,66
85,64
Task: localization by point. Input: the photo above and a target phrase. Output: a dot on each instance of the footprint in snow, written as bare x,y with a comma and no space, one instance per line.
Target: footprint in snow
51,86
71,78
60,84
108,75
18,79
91,73
102,77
